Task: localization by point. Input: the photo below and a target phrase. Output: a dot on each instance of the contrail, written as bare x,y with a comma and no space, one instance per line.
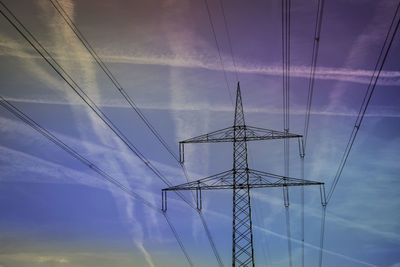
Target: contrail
361,76
262,229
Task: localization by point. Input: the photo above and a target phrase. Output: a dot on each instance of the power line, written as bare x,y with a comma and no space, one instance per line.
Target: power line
110,75
76,88
257,215
219,50
258,221
210,238
179,241
117,85
67,78
314,59
229,39
322,235
204,222
286,10
367,98
302,209
391,33
29,121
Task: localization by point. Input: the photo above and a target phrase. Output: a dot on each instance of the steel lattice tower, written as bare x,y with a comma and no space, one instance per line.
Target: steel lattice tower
240,179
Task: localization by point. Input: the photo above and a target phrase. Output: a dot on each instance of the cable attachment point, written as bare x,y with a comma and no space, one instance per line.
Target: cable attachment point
198,197
324,202
164,201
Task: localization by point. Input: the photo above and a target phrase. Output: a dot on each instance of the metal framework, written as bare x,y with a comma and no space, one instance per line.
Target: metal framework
240,179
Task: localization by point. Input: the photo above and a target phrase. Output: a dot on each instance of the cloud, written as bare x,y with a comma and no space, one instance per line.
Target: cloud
374,111
74,259
282,236
86,72
51,259
41,171
370,39
180,58
366,226
180,41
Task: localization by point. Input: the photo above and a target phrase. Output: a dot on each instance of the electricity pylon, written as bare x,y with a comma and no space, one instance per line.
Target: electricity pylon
240,179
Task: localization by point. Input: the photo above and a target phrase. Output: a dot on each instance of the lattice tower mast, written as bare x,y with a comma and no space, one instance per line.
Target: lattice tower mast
240,179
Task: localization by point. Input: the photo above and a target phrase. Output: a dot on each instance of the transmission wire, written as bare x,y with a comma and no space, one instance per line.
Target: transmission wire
367,99
258,221
76,88
314,59
322,235
109,74
257,215
29,121
364,105
229,39
85,98
101,115
219,50
302,210
176,235
286,8
317,33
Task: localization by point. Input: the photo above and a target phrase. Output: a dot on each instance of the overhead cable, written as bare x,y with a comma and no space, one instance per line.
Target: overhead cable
393,28
117,85
322,235
286,10
229,39
383,54
110,75
53,63
78,90
219,50
314,60
29,121
311,82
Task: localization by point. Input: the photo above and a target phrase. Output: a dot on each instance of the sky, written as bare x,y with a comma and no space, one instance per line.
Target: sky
55,211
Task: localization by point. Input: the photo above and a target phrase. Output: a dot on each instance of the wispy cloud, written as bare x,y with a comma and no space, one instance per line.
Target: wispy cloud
331,217
63,45
51,259
180,41
41,171
191,59
282,236
375,111
87,73
370,39
361,76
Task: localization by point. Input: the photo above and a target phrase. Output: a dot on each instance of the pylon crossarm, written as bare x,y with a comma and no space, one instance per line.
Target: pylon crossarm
223,135
257,179
256,134
251,134
220,179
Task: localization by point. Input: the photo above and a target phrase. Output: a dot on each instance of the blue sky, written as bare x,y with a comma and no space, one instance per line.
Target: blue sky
57,212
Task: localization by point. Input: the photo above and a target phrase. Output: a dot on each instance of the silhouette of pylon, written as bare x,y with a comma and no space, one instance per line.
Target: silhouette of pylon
240,179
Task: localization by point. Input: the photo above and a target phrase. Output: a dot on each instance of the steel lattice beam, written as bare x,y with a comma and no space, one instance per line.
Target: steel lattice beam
227,135
257,179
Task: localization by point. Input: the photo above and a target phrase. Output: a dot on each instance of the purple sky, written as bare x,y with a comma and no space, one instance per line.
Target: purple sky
57,212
